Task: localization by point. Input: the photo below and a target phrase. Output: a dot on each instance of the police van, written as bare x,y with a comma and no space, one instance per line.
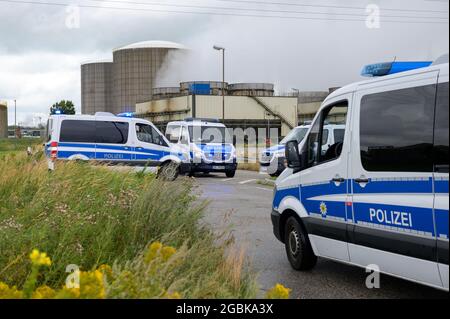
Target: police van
207,143
111,139
272,160
381,195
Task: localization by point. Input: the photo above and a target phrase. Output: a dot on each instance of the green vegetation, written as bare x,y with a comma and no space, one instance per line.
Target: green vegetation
65,107
91,215
14,145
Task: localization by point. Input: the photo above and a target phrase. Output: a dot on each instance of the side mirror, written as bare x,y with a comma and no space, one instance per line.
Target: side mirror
293,156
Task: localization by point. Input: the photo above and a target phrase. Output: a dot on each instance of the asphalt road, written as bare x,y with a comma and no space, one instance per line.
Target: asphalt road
244,205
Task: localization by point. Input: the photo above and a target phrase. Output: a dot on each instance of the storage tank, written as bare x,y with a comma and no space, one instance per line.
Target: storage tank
134,72
165,92
251,89
203,87
96,86
3,120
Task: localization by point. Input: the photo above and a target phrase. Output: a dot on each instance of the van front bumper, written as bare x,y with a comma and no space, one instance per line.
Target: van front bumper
276,166
276,216
208,167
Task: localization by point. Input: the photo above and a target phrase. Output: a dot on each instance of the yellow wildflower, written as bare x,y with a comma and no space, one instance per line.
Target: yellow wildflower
278,292
152,251
7,292
39,259
68,293
167,252
43,292
106,270
92,285
173,295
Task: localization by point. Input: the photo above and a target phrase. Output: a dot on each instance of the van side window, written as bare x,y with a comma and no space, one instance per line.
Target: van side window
325,137
396,130
173,133
77,131
157,138
339,135
324,153
111,132
49,130
146,133
441,130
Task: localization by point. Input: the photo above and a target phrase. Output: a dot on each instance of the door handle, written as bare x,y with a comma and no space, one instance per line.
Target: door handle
338,179
362,180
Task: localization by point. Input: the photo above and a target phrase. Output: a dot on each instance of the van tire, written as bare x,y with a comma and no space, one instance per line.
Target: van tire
230,174
298,246
169,171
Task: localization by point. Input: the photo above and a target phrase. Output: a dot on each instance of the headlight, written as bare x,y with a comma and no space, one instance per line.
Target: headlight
198,153
278,154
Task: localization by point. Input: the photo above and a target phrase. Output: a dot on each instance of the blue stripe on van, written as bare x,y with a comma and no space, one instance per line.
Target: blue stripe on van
422,220
441,186
393,186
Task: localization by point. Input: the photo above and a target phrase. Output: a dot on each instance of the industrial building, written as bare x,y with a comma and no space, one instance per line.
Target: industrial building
3,119
96,86
246,105
116,86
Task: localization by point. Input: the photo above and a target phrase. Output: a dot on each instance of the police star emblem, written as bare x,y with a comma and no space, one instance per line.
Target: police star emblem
323,209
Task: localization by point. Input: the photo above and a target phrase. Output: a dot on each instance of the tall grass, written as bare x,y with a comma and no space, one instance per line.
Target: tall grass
91,215
8,145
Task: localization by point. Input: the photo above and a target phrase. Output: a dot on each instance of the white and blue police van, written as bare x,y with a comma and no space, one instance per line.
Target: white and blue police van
111,139
208,144
381,195
273,161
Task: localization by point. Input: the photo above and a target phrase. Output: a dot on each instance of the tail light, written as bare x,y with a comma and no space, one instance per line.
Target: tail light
53,150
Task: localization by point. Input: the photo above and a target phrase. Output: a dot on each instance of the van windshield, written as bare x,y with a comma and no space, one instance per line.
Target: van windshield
296,134
209,134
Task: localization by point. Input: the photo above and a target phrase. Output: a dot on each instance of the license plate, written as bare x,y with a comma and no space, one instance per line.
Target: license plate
218,167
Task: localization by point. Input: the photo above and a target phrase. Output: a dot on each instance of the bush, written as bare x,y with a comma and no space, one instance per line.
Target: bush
91,215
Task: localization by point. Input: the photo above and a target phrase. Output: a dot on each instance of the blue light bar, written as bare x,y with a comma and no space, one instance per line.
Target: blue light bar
382,69
126,114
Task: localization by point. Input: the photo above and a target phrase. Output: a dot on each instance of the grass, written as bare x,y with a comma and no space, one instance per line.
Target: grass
249,166
14,145
90,215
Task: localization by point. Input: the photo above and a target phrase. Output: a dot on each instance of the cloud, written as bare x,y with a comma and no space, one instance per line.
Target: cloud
40,57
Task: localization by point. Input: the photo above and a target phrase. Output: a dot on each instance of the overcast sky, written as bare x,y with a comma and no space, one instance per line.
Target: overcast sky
42,46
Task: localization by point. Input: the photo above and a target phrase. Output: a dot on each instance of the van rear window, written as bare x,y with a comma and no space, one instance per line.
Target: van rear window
77,131
396,130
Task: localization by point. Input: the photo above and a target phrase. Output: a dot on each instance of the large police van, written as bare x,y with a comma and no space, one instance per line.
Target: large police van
272,160
208,143
111,139
381,196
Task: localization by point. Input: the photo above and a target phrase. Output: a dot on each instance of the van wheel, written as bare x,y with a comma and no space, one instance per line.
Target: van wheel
230,174
298,247
169,171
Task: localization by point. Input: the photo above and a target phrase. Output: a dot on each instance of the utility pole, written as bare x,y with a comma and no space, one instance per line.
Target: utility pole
223,79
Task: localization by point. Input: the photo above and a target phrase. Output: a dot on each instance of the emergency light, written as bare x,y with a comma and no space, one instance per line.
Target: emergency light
126,114
382,69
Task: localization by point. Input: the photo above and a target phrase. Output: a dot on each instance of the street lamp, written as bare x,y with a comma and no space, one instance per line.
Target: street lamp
298,95
223,79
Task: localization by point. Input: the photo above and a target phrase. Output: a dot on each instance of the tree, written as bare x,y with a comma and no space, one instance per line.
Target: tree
63,107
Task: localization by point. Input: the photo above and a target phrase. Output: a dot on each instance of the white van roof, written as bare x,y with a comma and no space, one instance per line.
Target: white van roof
354,86
197,123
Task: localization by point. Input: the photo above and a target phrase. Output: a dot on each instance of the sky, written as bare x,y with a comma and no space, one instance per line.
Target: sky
306,44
